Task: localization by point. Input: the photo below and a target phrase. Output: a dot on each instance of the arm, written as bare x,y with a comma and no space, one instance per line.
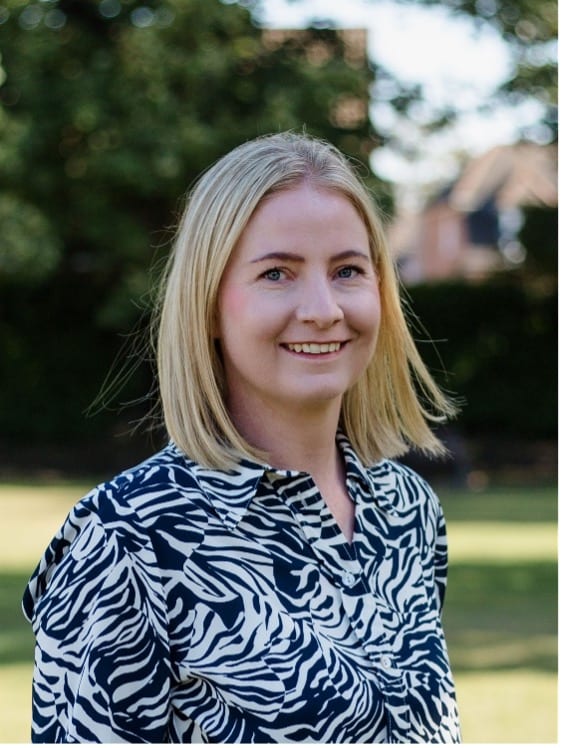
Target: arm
102,662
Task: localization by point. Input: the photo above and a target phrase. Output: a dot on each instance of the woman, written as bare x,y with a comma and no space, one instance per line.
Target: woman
271,575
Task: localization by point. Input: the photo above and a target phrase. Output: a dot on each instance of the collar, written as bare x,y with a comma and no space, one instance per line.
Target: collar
379,479
354,468
231,491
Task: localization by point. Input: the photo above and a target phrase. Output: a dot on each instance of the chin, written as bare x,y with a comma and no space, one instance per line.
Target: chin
318,398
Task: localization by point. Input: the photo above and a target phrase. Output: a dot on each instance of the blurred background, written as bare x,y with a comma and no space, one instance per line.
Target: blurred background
108,111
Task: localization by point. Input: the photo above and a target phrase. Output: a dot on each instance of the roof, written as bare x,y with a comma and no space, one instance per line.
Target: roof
515,175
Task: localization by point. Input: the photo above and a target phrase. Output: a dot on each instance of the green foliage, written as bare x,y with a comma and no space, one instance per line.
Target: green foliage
539,236
109,110
30,247
496,349
112,109
530,29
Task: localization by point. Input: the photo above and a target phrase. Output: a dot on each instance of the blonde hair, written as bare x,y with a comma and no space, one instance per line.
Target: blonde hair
384,414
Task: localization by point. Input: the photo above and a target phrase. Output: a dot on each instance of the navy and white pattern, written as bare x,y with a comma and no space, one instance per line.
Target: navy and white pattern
183,604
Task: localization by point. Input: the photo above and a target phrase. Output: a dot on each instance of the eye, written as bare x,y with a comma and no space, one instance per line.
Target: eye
349,271
273,274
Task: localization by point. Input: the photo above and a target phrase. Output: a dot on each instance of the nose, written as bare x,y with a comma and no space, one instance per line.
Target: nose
318,304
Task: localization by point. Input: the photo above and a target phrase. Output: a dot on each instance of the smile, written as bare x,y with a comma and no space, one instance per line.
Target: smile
315,348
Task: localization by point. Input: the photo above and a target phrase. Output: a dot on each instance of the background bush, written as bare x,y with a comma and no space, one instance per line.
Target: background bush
496,347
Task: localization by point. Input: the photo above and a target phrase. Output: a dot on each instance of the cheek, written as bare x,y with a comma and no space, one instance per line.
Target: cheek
232,310
249,316
368,313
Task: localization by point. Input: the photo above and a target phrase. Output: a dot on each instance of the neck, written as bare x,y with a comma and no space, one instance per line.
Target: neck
304,441
294,440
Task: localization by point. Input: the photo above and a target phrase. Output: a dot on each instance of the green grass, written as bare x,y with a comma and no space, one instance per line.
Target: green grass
516,504
500,611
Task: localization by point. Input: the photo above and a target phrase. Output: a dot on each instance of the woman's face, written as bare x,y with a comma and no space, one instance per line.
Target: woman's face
298,306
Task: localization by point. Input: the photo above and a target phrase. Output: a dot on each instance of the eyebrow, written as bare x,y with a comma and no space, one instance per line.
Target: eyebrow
292,257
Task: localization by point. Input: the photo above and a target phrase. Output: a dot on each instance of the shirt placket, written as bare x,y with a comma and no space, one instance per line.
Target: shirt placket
341,562
375,625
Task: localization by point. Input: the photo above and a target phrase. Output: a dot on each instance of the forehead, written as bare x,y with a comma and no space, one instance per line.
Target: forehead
304,210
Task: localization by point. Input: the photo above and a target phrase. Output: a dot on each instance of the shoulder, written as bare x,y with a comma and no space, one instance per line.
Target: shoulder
408,499
159,475
117,521
400,488
135,497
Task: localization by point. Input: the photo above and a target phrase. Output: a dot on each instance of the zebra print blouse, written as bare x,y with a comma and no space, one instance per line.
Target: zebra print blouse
183,604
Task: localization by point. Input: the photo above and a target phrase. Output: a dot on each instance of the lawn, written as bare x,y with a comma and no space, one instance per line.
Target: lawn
500,611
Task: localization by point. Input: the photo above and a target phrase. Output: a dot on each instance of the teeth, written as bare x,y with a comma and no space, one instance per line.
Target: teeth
314,347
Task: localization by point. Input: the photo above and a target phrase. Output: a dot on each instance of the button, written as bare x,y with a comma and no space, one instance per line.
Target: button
386,662
348,579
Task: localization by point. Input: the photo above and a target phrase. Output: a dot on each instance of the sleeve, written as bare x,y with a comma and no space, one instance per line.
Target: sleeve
102,672
434,543
441,557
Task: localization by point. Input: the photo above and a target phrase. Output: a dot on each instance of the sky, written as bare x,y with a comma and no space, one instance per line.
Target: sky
456,64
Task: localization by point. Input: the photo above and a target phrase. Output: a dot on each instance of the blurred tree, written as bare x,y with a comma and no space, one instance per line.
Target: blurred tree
530,29
498,350
539,237
108,111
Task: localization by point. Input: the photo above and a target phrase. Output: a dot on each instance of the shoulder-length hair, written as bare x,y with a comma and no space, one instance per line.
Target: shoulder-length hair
391,406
